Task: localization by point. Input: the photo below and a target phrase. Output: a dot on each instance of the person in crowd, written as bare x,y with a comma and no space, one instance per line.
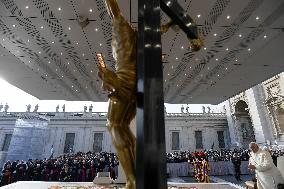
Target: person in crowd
92,172
30,171
21,171
37,172
14,166
7,176
74,170
65,174
236,160
205,171
197,166
274,155
45,173
267,174
83,171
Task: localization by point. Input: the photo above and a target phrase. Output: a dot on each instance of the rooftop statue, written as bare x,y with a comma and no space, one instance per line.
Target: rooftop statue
28,108
209,109
57,108
182,109
187,109
203,109
6,107
91,108
36,108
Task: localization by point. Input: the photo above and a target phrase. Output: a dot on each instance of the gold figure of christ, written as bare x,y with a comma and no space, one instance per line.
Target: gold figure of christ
121,86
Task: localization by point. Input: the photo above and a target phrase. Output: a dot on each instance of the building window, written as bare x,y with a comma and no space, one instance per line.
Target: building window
198,140
69,143
7,141
221,139
98,142
175,140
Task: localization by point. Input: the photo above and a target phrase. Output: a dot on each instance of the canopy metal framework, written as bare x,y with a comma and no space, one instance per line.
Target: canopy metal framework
47,53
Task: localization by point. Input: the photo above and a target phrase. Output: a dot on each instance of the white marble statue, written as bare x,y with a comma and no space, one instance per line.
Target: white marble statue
91,108
57,108
63,108
36,108
182,109
28,108
224,109
203,109
6,107
209,109
187,109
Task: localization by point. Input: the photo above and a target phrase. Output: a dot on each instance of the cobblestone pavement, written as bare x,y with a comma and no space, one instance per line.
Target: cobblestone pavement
231,178
216,179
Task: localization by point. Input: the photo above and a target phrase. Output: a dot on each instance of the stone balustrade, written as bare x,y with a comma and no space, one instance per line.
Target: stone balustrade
99,114
223,115
33,115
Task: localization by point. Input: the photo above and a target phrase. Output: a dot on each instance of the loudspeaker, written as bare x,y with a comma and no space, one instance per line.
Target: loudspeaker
83,21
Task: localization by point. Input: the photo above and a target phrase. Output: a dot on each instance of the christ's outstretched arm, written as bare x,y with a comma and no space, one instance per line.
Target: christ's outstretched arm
112,8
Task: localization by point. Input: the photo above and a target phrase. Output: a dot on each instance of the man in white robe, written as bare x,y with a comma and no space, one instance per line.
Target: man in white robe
267,174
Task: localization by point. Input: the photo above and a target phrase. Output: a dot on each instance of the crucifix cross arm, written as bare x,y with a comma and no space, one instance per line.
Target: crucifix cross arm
179,17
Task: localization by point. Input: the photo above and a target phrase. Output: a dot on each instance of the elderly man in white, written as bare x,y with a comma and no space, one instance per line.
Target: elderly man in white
267,174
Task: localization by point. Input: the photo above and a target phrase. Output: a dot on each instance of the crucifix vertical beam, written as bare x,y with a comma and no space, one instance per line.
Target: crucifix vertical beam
151,155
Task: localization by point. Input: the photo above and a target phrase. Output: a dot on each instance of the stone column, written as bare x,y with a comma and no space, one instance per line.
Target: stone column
280,165
265,120
255,116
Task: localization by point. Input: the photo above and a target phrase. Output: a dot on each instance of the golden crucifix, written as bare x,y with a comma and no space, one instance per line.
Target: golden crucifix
121,86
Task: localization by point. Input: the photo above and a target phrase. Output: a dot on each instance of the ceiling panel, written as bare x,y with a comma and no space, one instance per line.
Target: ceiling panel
44,50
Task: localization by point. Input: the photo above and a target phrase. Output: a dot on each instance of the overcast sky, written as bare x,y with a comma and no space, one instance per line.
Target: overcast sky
18,99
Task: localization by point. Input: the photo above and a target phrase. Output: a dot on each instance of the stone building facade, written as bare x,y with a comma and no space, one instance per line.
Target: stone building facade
196,131
258,114
73,132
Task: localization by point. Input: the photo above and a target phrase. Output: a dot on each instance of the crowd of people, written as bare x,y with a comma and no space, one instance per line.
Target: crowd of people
209,155
79,167
216,155
201,160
